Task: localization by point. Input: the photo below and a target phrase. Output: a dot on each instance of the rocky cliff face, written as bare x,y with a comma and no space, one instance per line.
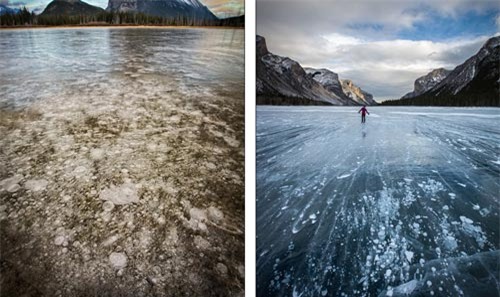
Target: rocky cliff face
70,8
281,80
427,82
284,78
356,94
330,81
476,82
163,8
480,69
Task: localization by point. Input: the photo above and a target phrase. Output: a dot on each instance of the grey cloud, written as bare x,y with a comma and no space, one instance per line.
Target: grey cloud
373,58
457,55
386,69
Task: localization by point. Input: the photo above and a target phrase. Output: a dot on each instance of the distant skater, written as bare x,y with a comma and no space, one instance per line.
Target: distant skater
363,111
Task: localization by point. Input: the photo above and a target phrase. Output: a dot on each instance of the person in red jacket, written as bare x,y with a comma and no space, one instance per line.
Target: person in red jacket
363,111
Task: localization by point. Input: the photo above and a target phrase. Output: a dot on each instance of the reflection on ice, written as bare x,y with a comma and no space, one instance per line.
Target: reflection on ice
384,214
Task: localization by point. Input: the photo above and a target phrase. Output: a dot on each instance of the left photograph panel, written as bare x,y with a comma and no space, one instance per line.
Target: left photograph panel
122,148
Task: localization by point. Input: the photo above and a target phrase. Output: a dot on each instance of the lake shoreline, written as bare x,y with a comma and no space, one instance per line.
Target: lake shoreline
127,26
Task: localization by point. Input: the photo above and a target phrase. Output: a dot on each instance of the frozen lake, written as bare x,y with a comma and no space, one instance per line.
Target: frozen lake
114,143
46,63
405,204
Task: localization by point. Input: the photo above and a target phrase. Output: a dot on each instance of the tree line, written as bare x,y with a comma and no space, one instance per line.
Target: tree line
475,99
26,18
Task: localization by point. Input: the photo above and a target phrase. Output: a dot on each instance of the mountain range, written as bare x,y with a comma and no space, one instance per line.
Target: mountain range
7,10
70,8
427,82
164,8
191,9
281,80
476,82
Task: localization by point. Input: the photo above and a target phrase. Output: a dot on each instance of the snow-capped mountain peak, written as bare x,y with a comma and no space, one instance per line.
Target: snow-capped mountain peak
194,3
164,8
281,80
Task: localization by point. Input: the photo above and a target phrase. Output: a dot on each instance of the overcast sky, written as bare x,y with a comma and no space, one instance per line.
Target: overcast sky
382,45
221,8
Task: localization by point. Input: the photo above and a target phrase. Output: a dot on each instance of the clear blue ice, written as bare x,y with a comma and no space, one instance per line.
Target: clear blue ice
402,205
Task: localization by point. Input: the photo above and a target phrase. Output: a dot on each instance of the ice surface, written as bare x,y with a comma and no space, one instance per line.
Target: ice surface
36,185
11,184
114,135
389,198
118,260
123,194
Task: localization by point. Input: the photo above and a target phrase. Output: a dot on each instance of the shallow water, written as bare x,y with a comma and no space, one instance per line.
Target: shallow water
121,162
405,203
42,63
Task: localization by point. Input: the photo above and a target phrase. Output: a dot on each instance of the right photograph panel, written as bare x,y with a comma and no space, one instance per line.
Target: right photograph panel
378,167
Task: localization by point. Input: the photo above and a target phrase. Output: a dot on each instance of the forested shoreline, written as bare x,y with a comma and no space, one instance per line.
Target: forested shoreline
24,18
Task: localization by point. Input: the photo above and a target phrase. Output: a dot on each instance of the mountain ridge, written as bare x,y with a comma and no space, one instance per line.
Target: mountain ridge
164,8
283,81
70,8
475,82
426,82
4,9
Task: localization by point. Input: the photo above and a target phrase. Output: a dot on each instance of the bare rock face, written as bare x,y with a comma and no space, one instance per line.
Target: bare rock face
357,94
427,82
261,46
281,80
282,77
479,74
348,93
476,82
122,5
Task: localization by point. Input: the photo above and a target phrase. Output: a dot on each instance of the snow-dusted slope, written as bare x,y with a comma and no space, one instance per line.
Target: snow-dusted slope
284,78
164,8
483,65
281,80
70,8
476,82
427,82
